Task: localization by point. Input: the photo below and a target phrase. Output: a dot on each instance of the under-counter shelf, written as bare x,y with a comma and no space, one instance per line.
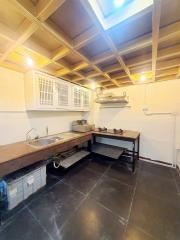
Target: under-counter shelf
69,161
107,150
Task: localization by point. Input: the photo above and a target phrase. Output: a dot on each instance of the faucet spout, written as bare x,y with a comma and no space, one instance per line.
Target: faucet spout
28,137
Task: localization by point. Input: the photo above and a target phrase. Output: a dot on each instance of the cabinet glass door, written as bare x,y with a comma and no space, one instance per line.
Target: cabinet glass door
46,91
85,98
63,91
77,97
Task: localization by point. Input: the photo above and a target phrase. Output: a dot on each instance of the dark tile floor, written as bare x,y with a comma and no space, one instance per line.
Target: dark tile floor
100,200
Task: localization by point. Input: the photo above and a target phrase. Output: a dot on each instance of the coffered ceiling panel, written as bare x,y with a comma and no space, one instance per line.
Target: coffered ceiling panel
66,39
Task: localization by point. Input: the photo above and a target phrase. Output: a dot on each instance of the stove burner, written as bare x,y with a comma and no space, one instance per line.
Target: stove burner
102,129
118,131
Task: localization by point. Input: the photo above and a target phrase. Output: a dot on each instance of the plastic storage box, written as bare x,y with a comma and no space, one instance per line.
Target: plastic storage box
15,192
34,181
21,188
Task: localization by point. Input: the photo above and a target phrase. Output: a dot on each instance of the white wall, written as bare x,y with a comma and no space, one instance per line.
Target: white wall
15,121
156,131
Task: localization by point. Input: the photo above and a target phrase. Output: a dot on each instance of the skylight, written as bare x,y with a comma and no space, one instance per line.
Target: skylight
110,13
118,3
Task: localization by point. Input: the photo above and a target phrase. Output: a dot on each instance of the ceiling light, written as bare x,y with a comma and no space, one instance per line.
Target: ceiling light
143,78
93,85
118,3
29,62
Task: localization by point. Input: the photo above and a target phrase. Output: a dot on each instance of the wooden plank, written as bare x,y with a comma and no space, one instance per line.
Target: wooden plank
60,53
155,34
168,32
80,66
102,57
167,72
166,64
169,52
26,29
85,37
45,8
55,31
166,78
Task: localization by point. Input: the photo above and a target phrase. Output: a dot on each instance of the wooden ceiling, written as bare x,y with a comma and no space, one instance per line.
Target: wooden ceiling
65,39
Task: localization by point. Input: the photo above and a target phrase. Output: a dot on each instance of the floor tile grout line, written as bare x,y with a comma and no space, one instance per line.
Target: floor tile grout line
85,196
120,181
121,219
75,189
99,203
98,180
43,193
131,204
72,214
146,233
35,218
11,218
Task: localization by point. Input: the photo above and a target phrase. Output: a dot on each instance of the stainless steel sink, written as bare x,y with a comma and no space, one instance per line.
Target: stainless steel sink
44,141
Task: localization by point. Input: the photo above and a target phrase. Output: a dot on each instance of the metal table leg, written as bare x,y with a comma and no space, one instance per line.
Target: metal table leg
134,158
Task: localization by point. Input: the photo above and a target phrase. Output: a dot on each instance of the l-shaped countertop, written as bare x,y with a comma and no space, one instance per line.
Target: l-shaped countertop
18,155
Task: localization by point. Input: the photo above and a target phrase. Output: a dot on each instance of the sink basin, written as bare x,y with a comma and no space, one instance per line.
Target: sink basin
44,141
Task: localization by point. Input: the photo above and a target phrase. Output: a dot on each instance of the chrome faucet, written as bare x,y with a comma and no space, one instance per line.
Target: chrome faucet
28,137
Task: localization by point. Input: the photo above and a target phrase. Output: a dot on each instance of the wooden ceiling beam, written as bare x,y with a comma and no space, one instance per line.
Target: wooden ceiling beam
142,68
163,54
85,37
7,33
106,38
27,29
169,52
134,45
155,34
102,57
92,74
104,34
80,66
112,68
29,25
45,8
118,76
166,64
28,5
167,72
166,78
55,31
168,32
60,53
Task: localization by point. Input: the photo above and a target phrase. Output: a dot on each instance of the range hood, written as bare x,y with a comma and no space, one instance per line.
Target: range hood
110,98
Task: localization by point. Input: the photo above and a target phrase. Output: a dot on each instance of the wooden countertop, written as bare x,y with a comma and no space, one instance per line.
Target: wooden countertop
20,154
127,134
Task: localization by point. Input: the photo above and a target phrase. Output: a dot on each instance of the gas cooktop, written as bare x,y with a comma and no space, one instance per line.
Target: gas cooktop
114,131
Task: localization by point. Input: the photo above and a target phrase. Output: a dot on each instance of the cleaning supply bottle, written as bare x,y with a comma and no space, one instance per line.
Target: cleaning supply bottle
3,195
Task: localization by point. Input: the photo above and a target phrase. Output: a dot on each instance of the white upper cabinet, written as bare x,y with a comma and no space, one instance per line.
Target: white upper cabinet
45,92
81,98
63,91
77,97
86,98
